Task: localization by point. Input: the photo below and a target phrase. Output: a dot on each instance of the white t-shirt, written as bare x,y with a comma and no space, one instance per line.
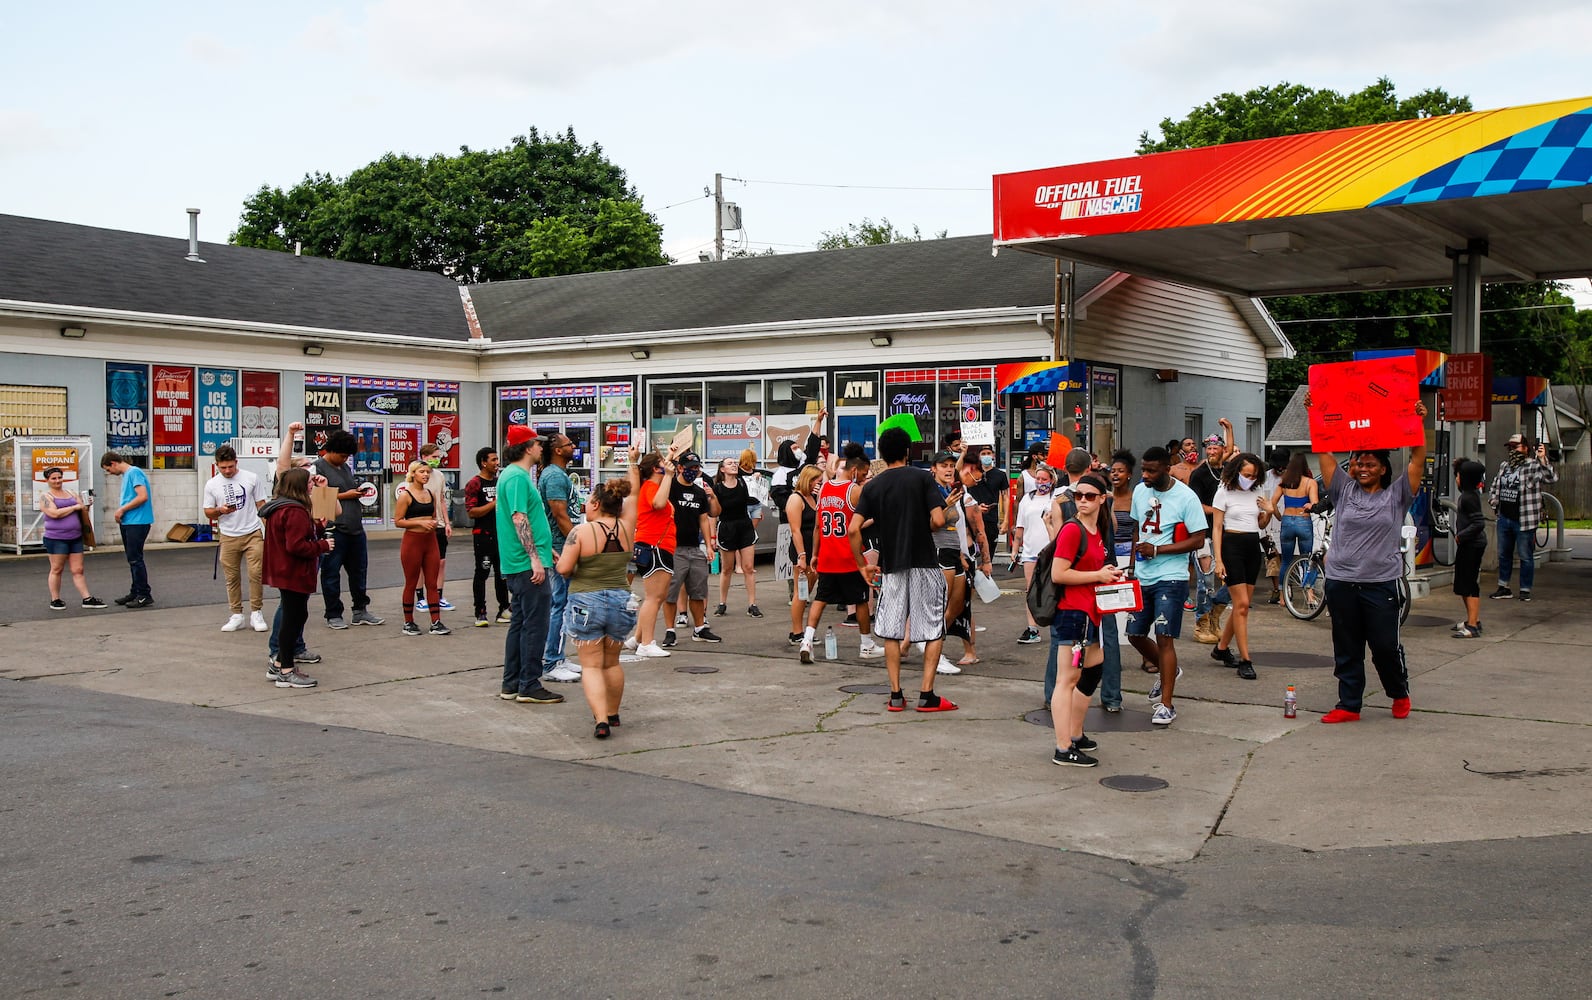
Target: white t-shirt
1031,518
242,488
1240,509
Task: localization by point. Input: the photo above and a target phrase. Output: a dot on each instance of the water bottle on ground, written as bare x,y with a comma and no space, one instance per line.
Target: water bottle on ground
831,646
1290,704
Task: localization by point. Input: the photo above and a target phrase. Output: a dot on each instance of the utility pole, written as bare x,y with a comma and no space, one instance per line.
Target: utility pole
718,216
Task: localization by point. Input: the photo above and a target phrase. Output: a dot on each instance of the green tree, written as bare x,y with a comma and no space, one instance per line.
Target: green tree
540,206
1522,337
868,233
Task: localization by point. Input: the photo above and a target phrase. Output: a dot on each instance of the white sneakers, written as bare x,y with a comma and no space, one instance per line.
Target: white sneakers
233,624
872,652
630,644
651,649
947,667
257,622
564,674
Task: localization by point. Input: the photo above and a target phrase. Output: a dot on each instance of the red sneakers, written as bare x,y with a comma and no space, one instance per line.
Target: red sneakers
1340,715
1401,708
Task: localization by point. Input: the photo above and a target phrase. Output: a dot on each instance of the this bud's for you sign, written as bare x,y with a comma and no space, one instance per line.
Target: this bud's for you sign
1365,404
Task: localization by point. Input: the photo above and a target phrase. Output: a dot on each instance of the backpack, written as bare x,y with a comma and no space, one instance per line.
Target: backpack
1043,592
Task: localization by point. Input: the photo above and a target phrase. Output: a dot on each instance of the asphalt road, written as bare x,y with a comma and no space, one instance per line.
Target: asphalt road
157,850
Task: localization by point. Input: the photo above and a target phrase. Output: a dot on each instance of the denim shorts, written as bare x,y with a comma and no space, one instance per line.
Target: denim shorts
1069,626
1163,608
599,614
63,546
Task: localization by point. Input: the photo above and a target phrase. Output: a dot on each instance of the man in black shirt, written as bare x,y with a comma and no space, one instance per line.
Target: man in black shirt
1211,598
480,501
695,507
350,552
905,506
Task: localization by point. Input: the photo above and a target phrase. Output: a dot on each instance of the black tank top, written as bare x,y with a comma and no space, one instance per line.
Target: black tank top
418,507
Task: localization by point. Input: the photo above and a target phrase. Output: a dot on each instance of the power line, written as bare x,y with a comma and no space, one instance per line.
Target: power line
1429,315
863,187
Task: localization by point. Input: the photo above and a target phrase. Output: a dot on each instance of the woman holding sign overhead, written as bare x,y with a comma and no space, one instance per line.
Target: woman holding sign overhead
1363,567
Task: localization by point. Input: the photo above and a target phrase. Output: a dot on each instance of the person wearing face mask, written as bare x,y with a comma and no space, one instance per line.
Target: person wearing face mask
1242,511
1030,535
1363,568
992,491
1516,497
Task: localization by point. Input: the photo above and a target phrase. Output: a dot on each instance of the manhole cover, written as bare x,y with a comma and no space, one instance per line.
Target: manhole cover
865,688
1133,783
1428,621
1096,720
1269,659
696,670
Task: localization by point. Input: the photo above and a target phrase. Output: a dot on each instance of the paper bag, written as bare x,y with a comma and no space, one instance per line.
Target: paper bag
324,505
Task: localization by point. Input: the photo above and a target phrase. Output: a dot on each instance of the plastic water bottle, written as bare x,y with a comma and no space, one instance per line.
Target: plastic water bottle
801,586
831,646
1290,704
633,603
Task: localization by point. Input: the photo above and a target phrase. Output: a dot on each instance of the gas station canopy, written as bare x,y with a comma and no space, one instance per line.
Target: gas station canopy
1378,206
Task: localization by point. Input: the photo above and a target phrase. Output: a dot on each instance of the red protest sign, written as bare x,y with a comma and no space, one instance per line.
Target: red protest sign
1365,404
1060,448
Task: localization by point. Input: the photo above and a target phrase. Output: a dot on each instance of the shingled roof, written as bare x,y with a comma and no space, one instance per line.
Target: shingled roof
1292,428
61,264
943,275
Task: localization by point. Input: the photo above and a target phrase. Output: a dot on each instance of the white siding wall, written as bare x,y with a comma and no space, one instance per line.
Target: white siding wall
1154,324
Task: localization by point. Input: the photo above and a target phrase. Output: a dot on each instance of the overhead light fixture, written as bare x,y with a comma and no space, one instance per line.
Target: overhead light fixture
880,340
1166,374
640,353
73,332
314,350
1262,243
1375,274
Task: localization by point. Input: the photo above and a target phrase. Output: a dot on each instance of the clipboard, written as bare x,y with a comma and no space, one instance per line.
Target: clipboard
1123,596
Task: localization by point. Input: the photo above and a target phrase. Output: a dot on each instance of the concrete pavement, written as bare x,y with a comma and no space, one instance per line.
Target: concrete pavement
1497,746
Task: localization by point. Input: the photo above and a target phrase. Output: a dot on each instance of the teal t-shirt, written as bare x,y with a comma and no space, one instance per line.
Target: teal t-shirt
144,513
1158,515
555,485
515,494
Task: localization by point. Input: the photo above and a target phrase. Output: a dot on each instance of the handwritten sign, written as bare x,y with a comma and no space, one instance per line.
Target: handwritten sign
1364,404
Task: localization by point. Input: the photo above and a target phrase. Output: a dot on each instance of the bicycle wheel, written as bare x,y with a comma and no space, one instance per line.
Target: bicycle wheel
1444,548
1542,533
1304,589
1404,599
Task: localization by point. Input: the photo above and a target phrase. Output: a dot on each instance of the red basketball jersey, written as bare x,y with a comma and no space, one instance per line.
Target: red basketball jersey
834,519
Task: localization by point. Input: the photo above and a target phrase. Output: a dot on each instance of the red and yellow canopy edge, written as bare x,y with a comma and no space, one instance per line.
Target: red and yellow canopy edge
1471,154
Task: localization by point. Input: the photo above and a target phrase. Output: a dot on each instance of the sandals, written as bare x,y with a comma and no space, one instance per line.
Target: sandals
1148,667
601,731
968,661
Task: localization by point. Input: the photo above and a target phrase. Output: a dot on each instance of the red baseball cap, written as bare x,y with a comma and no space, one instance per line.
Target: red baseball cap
519,434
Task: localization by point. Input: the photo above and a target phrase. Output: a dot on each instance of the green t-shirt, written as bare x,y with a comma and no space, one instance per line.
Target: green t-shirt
515,494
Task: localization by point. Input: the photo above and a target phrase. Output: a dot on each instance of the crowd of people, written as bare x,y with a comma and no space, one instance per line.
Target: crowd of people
900,549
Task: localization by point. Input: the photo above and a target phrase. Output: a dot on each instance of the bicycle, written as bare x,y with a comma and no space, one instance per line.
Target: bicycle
1304,586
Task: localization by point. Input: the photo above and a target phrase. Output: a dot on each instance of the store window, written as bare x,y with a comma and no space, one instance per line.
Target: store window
790,403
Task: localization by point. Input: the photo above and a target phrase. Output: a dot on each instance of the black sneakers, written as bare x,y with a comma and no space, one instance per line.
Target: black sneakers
1073,757
705,634
1246,670
753,611
720,611
669,639
1501,594
1226,657
93,603
1085,744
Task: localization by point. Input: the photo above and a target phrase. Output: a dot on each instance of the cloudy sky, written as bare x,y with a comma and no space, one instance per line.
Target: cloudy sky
123,115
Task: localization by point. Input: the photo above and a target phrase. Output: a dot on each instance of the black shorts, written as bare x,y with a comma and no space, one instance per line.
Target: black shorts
841,588
737,535
1241,557
1467,570
442,543
650,559
950,559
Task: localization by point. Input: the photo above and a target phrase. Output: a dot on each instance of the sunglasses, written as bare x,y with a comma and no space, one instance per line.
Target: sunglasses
1090,495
